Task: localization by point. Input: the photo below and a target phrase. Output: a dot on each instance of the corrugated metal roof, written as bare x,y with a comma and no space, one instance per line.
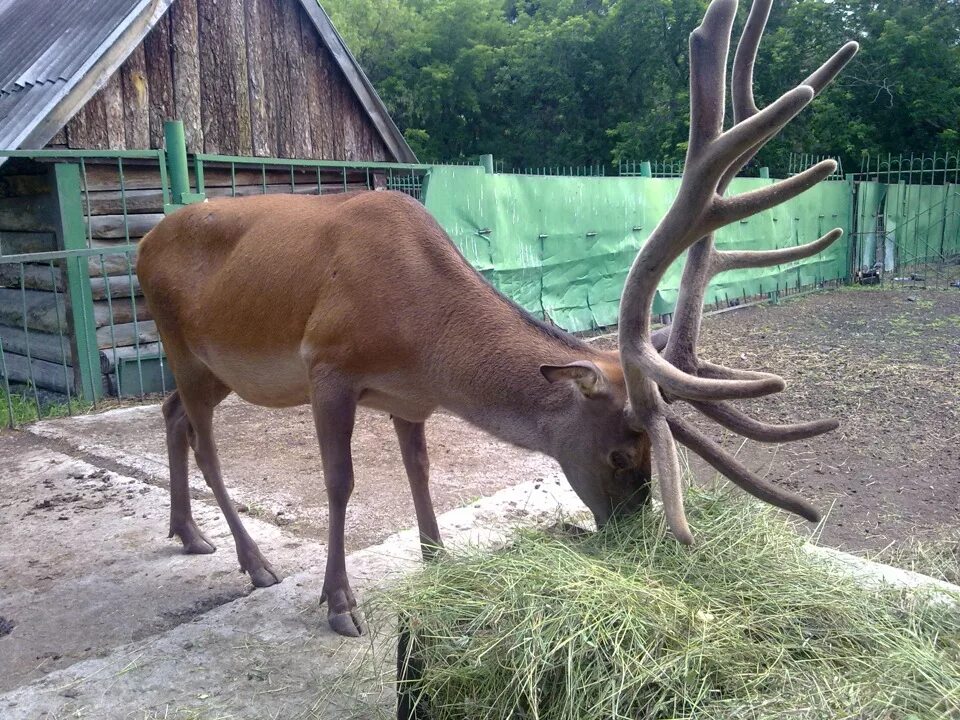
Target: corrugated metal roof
47,46
46,41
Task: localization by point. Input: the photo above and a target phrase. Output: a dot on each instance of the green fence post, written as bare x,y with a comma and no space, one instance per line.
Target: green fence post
645,169
80,315
178,166
853,230
487,162
765,173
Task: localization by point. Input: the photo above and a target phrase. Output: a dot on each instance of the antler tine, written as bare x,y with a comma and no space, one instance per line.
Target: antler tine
743,61
753,429
709,48
825,74
730,209
731,468
740,259
664,451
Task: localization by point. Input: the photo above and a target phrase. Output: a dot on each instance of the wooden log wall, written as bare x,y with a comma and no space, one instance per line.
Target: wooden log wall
33,319
247,77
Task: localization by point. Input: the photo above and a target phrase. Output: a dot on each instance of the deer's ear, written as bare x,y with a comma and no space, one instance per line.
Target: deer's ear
588,377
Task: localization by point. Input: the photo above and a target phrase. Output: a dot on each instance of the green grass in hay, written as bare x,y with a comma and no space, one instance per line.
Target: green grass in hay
626,623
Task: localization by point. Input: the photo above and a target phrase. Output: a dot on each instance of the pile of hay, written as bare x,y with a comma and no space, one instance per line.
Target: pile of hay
626,623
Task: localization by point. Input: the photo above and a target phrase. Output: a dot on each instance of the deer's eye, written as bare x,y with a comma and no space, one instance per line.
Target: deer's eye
620,460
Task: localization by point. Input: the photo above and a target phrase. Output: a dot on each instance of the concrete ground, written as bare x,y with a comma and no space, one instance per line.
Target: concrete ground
101,616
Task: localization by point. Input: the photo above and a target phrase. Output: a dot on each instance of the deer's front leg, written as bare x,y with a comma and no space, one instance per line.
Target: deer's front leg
334,409
413,449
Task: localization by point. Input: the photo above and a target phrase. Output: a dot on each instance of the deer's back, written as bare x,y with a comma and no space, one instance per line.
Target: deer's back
362,281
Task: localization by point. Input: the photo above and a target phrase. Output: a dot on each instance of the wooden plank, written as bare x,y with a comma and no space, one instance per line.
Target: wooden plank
111,202
102,176
114,129
299,142
186,71
333,85
156,48
126,334
35,276
113,226
315,59
16,243
120,312
44,374
120,286
261,132
20,185
45,311
28,214
105,177
224,92
136,99
113,263
45,346
95,125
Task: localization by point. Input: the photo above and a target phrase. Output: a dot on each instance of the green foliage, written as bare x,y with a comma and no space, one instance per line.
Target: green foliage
627,623
580,82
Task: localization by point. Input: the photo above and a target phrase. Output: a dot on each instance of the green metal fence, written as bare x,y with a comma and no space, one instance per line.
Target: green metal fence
908,220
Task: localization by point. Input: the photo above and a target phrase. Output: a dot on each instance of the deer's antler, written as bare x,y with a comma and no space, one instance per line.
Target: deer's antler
714,157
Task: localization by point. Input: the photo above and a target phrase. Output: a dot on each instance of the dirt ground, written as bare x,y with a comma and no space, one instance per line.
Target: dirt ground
887,365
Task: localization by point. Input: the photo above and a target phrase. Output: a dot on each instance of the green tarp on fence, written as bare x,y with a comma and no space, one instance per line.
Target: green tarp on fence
920,224
562,246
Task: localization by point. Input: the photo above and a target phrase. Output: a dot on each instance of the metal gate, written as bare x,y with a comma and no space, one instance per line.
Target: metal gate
907,222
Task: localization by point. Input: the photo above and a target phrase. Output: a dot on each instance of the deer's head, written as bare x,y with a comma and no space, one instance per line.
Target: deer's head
605,458
630,407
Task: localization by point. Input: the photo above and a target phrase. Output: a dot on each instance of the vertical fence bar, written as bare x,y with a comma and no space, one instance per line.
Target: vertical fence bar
6,387
68,385
72,237
26,336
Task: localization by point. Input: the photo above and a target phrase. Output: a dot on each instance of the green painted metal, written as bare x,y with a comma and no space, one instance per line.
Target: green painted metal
765,173
562,246
81,154
287,162
73,237
178,167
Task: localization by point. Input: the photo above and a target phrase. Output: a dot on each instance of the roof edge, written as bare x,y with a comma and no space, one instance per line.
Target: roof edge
362,87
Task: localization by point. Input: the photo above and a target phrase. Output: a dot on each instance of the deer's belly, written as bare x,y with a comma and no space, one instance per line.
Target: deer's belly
279,380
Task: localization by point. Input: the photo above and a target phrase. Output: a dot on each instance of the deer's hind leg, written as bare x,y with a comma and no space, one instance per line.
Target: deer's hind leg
179,433
199,391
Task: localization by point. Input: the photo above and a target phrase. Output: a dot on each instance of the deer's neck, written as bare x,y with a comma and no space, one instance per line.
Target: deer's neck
504,393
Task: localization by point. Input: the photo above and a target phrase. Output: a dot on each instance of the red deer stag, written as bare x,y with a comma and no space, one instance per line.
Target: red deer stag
361,299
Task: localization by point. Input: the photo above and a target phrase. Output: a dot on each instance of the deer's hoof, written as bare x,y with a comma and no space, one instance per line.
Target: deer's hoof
348,624
193,539
263,576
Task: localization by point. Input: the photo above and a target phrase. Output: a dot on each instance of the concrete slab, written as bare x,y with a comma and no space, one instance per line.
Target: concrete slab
86,565
270,654
271,463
